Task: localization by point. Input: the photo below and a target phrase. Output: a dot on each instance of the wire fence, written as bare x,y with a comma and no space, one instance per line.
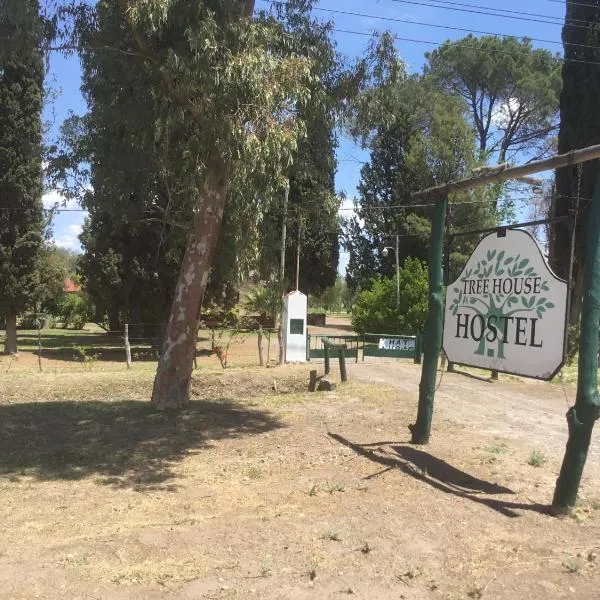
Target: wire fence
62,350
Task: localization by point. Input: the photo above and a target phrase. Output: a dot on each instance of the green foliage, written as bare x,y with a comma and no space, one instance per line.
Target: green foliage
313,205
333,299
510,90
74,311
579,127
152,152
375,309
418,137
537,459
264,300
22,224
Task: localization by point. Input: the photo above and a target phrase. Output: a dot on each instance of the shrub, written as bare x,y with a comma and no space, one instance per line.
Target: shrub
74,310
375,309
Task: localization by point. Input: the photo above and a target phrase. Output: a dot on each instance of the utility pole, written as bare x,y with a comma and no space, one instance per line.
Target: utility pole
397,272
286,194
300,228
396,249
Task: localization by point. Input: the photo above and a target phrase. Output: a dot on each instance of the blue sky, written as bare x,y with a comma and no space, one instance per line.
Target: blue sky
64,72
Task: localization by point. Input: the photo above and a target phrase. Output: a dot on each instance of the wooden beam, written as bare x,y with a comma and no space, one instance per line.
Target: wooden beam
561,160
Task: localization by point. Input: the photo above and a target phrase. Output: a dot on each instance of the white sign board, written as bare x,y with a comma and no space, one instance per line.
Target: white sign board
397,343
507,310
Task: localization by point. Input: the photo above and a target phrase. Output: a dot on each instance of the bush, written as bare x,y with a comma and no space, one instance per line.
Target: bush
74,310
375,309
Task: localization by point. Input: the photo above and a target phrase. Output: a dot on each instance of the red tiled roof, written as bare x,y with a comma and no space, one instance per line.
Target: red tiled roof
71,287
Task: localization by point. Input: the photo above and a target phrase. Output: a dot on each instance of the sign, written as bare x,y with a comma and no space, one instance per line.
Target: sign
507,310
397,344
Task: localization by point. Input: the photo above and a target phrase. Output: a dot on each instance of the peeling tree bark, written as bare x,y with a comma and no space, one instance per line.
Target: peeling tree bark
172,381
10,345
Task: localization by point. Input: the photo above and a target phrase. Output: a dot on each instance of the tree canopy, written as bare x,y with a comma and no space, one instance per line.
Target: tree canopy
510,89
22,222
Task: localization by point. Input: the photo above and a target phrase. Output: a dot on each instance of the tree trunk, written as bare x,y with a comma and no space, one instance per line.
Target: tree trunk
172,381
10,345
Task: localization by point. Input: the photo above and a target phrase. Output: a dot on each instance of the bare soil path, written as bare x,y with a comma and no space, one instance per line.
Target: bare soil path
285,495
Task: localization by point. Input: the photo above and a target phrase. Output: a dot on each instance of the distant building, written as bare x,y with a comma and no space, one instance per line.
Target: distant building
70,287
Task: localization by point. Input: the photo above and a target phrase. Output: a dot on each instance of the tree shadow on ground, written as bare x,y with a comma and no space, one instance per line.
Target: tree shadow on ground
125,444
441,476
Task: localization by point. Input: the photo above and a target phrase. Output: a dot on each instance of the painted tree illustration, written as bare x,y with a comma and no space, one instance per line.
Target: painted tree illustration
500,305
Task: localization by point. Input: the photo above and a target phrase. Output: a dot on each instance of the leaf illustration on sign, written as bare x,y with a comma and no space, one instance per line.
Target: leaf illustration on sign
506,310
499,304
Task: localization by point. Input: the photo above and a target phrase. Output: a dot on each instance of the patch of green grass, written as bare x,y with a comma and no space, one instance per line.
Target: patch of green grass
254,473
311,571
572,565
313,490
336,487
537,459
497,449
333,536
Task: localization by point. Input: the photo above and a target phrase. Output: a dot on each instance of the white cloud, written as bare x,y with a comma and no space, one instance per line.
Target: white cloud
54,199
501,115
69,237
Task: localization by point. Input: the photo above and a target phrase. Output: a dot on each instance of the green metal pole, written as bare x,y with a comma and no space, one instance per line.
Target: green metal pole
326,356
583,415
421,430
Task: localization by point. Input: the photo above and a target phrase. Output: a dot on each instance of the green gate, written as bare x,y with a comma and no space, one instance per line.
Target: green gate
315,349
391,346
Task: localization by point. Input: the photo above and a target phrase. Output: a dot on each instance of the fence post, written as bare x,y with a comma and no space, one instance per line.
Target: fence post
127,346
261,358
343,372
326,356
312,386
39,322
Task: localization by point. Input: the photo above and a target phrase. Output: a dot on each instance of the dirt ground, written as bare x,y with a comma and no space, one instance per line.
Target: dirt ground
262,490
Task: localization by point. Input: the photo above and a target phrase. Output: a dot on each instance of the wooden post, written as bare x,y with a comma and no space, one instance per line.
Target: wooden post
421,430
343,372
261,358
418,348
326,356
39,322
127,346
312,386
582,417
268,347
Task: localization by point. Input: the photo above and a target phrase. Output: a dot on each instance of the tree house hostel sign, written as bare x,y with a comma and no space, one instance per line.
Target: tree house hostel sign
507,310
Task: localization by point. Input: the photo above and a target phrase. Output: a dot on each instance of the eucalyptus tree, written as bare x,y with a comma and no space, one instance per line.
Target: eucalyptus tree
225,115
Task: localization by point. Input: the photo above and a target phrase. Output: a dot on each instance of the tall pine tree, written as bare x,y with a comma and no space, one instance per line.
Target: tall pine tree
21,210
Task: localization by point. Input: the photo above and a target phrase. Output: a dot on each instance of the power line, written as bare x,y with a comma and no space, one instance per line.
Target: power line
474,48
438,26
490,11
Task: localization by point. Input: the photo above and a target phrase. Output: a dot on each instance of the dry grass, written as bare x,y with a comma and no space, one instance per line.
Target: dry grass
252,492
